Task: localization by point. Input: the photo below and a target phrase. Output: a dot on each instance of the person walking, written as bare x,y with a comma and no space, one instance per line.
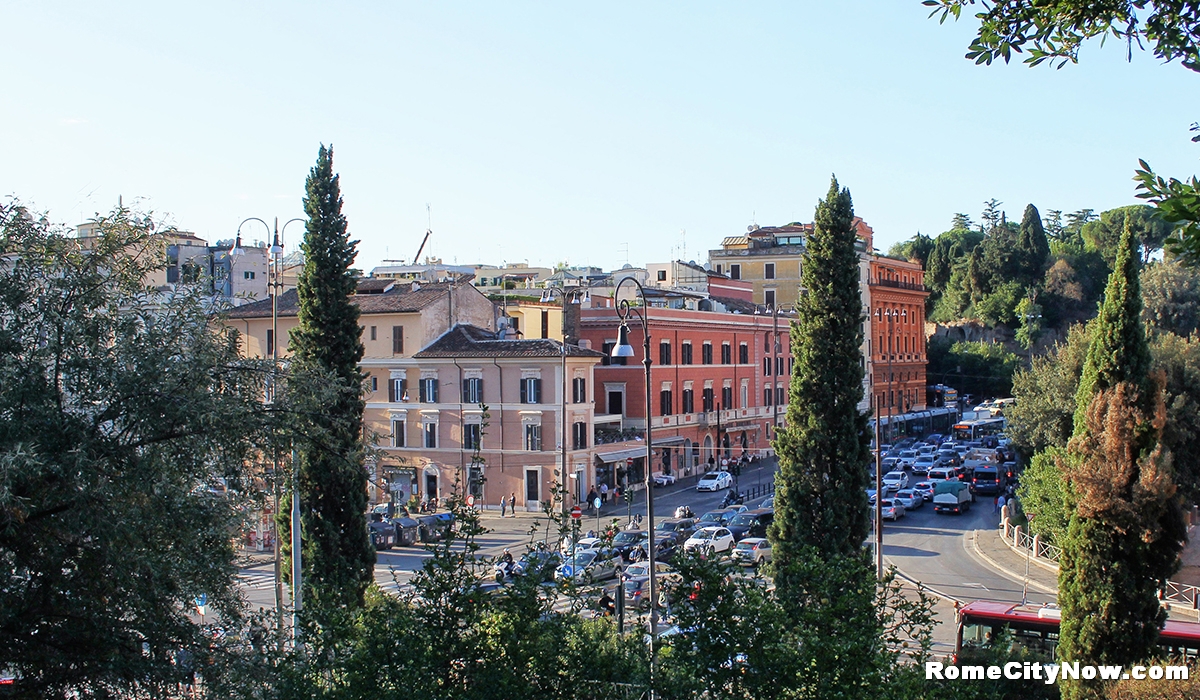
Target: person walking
503,503
591,500
1000,503
512,503
603,494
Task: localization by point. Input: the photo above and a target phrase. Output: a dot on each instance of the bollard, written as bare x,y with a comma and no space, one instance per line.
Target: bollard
1037,545
1017,536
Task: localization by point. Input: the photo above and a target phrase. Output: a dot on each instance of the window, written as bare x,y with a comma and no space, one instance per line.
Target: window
767,396
745,394
531,390
726,354
769,271
688,406
533,437
397,390
664,353
545,324
373,333
769,297
685,354
727,396
719,272
780,399
399,430
579,390
766,366
472,436
608,359
735,272
743,354
779,366
472,390
247,275
706,354
397,340
662,275
579,435
706,398
430,432
270,343
374,384
429,390
665,405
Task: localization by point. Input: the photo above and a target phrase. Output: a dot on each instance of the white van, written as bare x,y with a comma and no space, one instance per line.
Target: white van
941,474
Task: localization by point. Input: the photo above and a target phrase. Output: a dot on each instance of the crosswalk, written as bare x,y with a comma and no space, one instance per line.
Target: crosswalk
256,579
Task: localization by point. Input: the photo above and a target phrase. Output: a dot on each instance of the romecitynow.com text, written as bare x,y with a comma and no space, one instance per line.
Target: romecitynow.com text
1051,673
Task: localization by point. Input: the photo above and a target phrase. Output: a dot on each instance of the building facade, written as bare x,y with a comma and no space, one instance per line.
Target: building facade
898,359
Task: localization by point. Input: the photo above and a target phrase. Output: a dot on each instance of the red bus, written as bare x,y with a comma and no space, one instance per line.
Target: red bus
1036,628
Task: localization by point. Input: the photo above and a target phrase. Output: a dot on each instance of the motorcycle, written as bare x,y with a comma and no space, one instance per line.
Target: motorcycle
732,499
684,512
504,570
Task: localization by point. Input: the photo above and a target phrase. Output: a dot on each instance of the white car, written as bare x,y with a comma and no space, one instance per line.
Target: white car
710,540
907,457
715,481
894,481
752,551
584,544
661,479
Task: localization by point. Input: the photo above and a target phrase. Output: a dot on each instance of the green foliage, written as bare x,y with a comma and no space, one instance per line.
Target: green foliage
1118,351
916,249
1171,298
338,558
1043,416
1178,203
1149,229
1054,31
820,500
128,417
1029,314
1045,496
1000,306
1179,361
1032,245
975,368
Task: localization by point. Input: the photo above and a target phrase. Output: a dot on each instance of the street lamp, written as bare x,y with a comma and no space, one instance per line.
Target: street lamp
626,310
576,296
275,287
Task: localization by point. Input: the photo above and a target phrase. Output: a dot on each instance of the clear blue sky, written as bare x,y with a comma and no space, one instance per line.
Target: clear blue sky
555,132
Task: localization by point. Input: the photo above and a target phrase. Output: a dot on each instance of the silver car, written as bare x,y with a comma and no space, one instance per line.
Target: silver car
909,498
585,567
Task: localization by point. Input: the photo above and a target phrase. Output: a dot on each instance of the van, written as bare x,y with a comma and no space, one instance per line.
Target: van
941,474
988,480
752,523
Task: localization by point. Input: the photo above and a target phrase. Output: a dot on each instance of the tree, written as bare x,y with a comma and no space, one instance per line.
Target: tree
1053,223
1125,529
338,558
1029,314
992,215
976,368
960,222
1054,31
1104,234
1171,298
1032,246
128,419
916,249
1179,360
1043,416
820,500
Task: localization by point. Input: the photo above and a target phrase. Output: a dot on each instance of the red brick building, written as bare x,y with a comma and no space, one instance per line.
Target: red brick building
897,307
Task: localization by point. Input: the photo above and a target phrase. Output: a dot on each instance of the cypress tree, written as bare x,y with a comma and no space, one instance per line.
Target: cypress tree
1125,529
820,498
1032,245
327,347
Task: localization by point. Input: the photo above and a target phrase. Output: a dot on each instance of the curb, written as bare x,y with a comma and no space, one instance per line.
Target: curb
1036,561
921,586
1004,570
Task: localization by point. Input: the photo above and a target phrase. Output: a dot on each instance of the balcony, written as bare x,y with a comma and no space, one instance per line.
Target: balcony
897,284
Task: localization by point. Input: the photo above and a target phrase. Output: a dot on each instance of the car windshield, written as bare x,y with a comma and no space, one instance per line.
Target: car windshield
582,559
894,476
711,517
637,570
888,503
709,477
705,534
667,526
924,459
628,537
743,519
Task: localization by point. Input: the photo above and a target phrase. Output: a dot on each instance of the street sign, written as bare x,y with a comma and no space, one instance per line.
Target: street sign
576,512
596,503
202,604
629,461
470,501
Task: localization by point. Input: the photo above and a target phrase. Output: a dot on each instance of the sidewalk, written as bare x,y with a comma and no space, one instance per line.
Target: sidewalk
992,549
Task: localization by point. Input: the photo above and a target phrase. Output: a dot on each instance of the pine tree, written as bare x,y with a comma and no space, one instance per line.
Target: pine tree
1032,246
1125,528
338,558
820,500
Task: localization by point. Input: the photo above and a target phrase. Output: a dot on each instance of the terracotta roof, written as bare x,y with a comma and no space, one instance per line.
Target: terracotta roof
399,299
471,341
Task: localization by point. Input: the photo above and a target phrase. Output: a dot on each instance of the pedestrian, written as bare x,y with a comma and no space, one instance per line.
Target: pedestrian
503,503
1000,503
512,503
591,499
603,494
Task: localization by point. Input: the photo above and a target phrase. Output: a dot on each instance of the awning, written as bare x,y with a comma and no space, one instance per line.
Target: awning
740,426
640,451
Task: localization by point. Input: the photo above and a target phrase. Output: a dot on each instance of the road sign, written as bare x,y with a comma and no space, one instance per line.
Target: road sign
470,501
629,461
202,604
576,512
596,503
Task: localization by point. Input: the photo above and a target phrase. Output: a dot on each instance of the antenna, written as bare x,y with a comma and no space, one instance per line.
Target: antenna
683,242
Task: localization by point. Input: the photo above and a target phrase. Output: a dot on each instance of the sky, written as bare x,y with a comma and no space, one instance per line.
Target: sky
599,134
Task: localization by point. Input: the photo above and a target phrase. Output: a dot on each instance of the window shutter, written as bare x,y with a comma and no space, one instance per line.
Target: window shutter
537,391
392,398
421,390
397,340
524,391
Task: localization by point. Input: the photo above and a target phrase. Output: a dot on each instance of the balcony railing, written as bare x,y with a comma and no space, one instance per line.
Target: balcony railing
897,284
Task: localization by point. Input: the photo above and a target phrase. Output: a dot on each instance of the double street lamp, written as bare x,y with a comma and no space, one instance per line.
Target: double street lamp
626,312
275,286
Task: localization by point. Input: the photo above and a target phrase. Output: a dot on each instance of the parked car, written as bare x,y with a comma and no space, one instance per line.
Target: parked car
715,481
592,565
925,489
710,540
871,496
909,498
752,551
894,481
769,503
661,479
891,509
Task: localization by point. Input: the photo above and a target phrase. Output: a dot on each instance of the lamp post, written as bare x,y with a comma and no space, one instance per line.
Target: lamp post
575,296
626,310
275,288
